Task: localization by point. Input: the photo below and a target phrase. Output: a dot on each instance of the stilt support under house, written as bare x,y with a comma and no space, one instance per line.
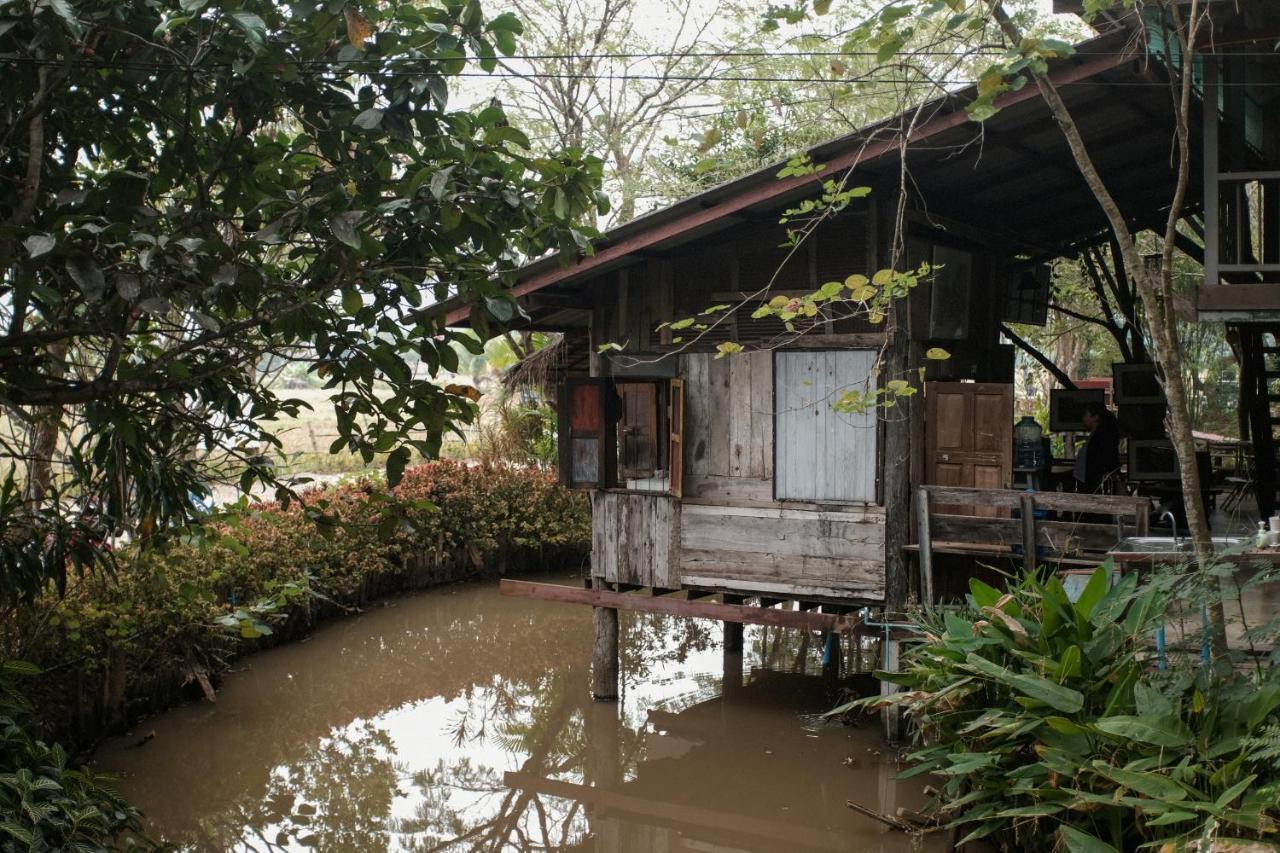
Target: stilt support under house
604,655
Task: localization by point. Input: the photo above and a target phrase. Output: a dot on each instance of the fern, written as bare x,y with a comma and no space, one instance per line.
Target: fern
1264,746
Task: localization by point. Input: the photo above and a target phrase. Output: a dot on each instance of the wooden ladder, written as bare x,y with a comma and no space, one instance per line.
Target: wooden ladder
1260,396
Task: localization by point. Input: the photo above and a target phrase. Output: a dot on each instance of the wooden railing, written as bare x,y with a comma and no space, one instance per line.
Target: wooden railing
1074,538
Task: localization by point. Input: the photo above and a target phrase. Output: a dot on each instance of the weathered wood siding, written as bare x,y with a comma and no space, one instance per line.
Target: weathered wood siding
634,538
728,426
824,455
804,552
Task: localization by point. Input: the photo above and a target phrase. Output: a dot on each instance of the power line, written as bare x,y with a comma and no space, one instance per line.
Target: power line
706,78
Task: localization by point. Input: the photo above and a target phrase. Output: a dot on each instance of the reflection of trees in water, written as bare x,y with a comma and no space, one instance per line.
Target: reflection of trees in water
333,797
535,720
523,679
653,639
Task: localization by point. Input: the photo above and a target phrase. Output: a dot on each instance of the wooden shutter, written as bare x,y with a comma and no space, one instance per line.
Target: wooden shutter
675,456
638,430
587,455
821,454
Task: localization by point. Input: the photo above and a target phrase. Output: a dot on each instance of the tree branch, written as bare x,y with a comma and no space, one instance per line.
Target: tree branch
1043,359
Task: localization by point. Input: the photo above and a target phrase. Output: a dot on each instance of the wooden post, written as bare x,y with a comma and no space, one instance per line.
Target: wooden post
890,713
733,630
1211,167
896,458
1028,508
925,537
604,655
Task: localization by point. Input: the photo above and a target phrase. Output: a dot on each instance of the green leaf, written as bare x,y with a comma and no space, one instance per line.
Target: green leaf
1166,730
254,28
396,462
369,119
889,49
1148,700
39,244
502,309
1069,666
1093,592
1152,784
1056,696
64,11
1078,841
1231,794
19,667
439,181
352,301
983,594
87,276
343,226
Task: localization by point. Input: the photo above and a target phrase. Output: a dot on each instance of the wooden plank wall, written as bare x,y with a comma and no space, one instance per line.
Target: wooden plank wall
728,426
804,552
634,538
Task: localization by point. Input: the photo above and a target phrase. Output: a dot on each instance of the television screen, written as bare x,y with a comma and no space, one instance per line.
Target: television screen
1066,407
1152,459
1136,383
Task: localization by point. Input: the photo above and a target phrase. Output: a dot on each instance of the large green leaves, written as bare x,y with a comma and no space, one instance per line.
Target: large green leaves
1078,841
1155,729
1036,687
1064,735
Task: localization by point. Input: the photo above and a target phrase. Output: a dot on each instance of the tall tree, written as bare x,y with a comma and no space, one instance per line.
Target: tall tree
613,76
197,188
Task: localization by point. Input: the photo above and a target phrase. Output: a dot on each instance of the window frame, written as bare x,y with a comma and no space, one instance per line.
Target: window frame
667,440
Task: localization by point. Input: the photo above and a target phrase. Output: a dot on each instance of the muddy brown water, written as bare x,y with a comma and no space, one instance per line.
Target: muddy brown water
457,719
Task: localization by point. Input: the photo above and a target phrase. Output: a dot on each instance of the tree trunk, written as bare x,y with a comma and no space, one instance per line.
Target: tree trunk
45,430
1155,293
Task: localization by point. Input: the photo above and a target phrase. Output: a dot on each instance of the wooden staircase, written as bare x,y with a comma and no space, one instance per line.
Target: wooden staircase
1260,399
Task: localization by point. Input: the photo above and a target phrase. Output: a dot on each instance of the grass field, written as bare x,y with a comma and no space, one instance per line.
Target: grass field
308,437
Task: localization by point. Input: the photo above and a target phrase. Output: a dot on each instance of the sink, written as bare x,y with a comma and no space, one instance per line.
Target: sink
1168,545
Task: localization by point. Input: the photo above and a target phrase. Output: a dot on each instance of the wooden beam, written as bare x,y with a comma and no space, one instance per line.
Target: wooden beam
742,613
1243,297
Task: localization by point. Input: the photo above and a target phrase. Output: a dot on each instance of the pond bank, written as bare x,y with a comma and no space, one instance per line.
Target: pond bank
169,622
456,718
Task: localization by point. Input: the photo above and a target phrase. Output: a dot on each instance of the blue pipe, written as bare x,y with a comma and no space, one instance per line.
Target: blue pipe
1205,656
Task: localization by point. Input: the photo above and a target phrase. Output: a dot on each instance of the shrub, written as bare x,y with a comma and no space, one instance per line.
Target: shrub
44,803
115,646
1052,728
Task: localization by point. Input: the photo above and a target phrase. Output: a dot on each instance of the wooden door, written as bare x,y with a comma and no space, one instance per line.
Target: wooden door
969,438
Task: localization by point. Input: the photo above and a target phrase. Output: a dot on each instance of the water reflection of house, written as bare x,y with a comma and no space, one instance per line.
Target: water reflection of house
755,788
737,476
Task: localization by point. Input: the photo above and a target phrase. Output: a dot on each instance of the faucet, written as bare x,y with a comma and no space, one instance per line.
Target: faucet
1173,523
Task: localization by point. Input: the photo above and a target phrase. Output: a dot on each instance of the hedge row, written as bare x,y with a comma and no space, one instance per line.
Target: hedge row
115,648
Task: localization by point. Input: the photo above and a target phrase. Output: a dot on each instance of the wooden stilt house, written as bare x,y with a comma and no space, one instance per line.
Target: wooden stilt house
736,476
